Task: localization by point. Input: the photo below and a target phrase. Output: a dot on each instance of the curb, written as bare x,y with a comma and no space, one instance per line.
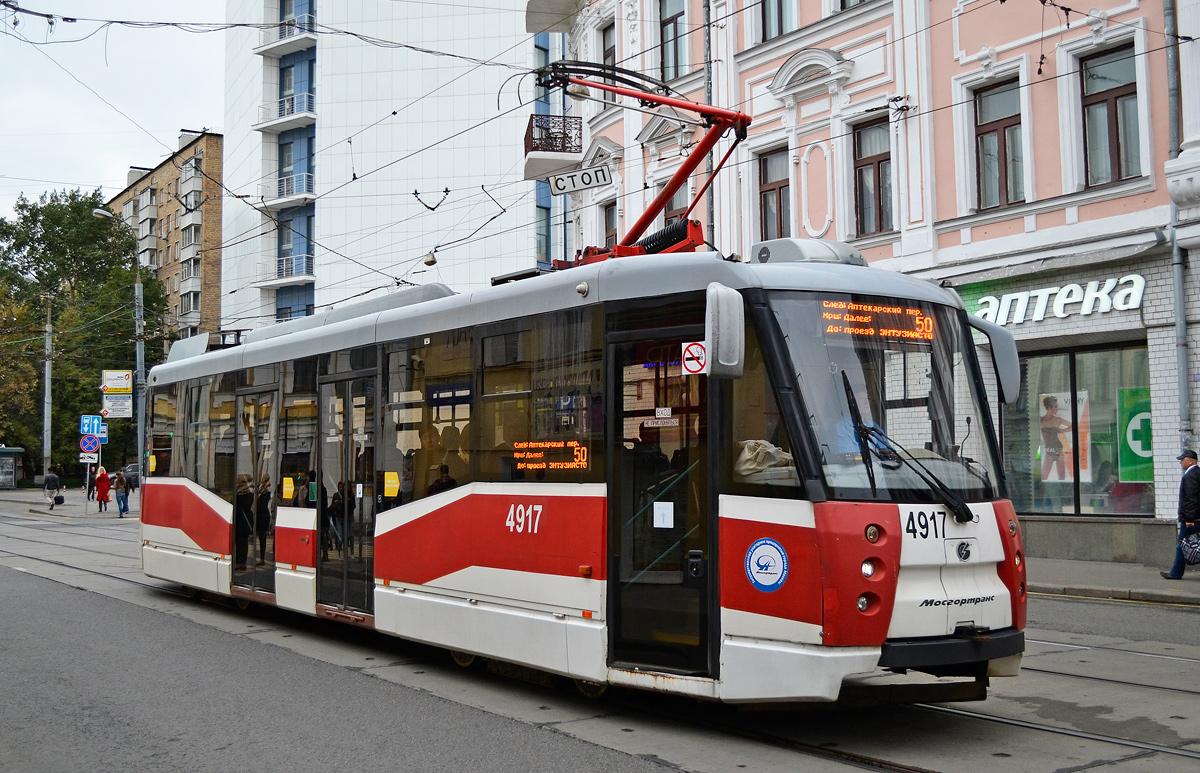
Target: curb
1118,594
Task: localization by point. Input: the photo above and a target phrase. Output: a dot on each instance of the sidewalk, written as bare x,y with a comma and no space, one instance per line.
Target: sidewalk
35,502
1109,580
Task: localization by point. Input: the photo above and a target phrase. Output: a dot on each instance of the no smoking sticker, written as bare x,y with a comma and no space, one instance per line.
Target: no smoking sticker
695,358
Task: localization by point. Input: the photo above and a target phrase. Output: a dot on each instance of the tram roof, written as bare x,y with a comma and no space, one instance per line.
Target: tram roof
408,313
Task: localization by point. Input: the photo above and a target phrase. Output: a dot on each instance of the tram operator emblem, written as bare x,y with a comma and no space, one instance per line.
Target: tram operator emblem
766,565
964,551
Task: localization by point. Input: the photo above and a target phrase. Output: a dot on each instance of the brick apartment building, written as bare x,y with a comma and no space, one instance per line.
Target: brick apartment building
175,211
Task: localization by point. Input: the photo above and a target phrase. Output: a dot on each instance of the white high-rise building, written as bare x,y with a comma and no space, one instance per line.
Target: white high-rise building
329,134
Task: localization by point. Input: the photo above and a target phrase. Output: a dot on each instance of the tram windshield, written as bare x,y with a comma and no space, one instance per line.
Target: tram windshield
892,396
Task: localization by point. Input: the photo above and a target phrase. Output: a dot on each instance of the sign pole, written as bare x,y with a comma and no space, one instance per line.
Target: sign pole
87,475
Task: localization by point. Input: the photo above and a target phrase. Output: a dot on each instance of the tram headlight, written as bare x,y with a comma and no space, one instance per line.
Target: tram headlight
868,568
872,534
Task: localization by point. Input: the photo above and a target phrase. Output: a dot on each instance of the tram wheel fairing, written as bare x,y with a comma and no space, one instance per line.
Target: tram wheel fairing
463,659
590,690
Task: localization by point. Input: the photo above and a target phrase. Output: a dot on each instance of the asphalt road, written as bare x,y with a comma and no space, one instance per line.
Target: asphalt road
91,683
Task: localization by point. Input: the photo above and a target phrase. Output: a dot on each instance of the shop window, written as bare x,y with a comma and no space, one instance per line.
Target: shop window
774,195
872,178
1079,441
999,156
1112,150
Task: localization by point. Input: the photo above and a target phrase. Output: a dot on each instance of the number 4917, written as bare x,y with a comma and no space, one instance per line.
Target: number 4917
523,519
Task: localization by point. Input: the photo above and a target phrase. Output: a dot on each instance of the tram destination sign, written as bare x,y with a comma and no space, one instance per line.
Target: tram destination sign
885,321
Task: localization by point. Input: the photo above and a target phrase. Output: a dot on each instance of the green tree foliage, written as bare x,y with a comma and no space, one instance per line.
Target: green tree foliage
55,253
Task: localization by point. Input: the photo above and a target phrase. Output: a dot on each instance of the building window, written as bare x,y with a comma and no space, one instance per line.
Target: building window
872,178
189,302
543,234
286,160
541,57
287,9
676,206
610,224
608,44
670,28
284,314
778,18
1112,150
774,195
287,82
999,164
848,4
285,239
1078,439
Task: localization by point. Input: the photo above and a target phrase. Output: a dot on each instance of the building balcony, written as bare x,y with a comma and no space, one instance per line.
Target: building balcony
288,37
147,242
188,319
129,213
291,112
550,15
553,144
189,217
189,251
147,212
293,190
190,180
290,270
189,284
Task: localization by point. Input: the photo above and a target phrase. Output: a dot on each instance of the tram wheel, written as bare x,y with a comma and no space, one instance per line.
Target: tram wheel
241,604
463,659
590,690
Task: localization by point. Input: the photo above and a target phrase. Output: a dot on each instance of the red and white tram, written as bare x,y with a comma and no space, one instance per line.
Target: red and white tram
740,480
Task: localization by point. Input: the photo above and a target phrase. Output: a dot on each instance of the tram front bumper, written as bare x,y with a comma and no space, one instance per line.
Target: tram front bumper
964,653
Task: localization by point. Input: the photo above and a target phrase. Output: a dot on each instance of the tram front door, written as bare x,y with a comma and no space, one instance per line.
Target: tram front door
254,499
346,499
659,580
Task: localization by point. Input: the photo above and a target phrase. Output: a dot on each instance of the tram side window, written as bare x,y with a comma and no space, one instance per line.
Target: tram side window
164,430
195,449
222,403
505,406
443,372
762,457
298,435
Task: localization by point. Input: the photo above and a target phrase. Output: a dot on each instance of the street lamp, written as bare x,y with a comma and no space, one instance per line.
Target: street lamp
140,374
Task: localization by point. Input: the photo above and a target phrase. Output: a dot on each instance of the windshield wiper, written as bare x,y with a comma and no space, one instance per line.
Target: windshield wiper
954,503
860,431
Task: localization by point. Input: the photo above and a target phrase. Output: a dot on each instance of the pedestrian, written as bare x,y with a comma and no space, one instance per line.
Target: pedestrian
121,491
91,484
102,486
51,486
1189,510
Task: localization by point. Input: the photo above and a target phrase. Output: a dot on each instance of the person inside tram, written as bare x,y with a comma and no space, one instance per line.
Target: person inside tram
243,521
262,516
444,481
451,458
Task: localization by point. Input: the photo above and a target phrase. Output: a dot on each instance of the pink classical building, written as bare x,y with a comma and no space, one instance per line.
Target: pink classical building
1017,151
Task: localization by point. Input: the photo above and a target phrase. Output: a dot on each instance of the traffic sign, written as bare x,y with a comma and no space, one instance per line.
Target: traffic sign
117,382
117,406
695,358
579,180
89,424
103,434
89,444
89,458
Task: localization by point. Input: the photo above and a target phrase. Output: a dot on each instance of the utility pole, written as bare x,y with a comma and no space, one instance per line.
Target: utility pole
46,391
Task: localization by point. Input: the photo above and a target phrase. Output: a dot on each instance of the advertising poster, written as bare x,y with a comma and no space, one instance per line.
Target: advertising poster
1055,446
1135,451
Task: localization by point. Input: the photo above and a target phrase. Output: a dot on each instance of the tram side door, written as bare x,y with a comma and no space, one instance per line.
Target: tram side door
659,579
346,497
254,493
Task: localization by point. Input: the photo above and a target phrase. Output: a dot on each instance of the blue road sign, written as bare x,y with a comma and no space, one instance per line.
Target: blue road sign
102,434
89,444
89,424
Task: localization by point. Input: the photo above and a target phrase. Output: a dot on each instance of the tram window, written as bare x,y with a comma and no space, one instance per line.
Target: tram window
298,433
762,452
164,429
346,361
194,462
403,415
221,408
262,375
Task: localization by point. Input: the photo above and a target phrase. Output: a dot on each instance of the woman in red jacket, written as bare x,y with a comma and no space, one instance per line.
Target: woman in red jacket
102,486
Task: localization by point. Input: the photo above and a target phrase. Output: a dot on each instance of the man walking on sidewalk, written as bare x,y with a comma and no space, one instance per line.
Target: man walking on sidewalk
50,486
1189,509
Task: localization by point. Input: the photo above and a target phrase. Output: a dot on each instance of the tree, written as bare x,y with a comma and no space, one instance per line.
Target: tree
18,376
56,253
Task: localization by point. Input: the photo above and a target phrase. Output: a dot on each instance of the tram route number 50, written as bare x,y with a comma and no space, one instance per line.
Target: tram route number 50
523,519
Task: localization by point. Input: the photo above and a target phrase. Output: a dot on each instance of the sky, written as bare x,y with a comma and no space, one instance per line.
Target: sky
59,135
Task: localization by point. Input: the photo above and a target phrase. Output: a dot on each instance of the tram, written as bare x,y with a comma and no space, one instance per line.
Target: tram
739,479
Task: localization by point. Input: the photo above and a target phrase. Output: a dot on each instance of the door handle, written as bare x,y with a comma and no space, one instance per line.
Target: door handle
695,564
